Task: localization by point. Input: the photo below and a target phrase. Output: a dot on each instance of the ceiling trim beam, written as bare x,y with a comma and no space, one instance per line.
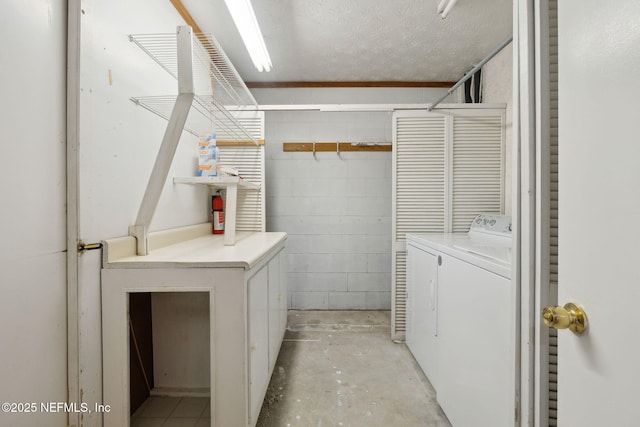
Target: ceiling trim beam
346,84
188,19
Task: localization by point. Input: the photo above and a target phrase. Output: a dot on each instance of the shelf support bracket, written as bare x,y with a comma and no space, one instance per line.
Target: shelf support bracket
230,215
170,140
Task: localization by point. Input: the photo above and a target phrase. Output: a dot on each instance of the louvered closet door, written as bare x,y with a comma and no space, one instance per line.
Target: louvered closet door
419,193
249,160
477,176
448,167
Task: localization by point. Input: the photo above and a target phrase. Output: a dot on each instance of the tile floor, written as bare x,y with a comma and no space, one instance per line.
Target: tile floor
173,412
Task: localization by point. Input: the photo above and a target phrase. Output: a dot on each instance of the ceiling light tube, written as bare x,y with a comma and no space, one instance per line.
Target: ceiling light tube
247,24
448,8
441,6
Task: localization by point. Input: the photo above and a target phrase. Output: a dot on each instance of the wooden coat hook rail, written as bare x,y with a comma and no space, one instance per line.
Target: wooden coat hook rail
336,147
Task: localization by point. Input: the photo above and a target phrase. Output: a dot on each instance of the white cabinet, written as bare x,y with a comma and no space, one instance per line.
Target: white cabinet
422,309
277,306
247,311
258,340
266,329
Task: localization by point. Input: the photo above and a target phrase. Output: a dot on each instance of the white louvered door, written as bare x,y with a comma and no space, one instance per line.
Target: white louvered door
249,160
419,183
448,166
477,170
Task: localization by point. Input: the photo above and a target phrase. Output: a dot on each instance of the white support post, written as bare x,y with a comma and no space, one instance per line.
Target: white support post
230,215
170,140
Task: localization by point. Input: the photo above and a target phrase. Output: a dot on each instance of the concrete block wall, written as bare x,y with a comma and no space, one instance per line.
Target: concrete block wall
336,209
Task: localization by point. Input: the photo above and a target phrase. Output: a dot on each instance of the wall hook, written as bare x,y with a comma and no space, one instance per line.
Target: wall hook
314,150
338,148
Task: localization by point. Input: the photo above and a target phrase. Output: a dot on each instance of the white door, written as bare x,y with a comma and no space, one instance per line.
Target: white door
599,210
258,336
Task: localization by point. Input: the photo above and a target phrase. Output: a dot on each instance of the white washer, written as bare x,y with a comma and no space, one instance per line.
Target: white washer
487,244
461,320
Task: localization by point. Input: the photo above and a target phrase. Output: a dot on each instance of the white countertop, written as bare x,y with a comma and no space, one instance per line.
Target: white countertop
492,254
192,247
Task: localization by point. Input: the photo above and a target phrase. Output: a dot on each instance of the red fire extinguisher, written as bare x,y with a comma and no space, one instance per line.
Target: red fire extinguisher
217,212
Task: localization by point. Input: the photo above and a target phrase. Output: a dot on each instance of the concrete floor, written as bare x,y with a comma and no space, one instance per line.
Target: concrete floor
340,368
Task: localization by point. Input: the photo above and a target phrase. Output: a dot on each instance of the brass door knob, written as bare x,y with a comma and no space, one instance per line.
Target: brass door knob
570,316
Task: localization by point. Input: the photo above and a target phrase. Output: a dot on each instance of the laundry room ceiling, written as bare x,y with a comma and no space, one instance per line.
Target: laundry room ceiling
361,40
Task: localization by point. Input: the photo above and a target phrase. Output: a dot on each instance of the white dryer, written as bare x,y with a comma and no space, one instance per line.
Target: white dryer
461,323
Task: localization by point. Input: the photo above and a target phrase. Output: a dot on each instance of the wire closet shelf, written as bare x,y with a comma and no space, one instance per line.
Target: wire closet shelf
217,85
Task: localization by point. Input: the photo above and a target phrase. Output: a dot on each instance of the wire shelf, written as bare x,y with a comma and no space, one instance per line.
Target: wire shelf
213,72
216,84
207,115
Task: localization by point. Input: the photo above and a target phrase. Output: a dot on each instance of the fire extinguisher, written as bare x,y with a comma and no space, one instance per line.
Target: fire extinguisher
217,212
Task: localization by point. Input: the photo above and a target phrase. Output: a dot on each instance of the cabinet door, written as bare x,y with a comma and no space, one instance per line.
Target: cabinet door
422,310
258,339
275,330
284,295
477,362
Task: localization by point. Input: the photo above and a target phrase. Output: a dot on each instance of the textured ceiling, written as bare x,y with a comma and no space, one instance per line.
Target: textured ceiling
361,40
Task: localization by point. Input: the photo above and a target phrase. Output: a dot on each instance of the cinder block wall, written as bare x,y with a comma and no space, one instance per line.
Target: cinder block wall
336,209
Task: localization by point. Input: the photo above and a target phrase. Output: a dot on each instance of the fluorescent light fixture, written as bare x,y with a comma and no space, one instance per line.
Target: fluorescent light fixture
445,6
247,24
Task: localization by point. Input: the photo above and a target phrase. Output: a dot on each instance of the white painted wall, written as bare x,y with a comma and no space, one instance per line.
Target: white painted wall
336,210
33,358
117,149
119,140
181,356
498,88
